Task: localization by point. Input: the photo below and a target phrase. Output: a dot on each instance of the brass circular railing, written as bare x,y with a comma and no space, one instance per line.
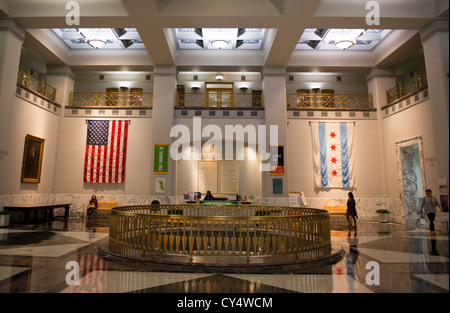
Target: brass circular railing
204,232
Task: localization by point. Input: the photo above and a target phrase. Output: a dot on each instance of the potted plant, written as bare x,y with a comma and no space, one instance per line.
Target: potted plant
4,218
384,215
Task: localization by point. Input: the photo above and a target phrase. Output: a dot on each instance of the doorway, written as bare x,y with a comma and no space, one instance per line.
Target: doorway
411,169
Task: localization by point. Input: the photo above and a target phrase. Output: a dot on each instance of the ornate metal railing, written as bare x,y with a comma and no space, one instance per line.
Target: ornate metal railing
410,86
219,230
116,99
329,101
26,80
240,100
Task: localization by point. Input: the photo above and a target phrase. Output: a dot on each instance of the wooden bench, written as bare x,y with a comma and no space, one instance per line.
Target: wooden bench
34,213
336,209
104,208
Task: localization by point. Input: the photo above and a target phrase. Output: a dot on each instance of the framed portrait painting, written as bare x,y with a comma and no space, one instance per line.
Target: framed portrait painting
32,159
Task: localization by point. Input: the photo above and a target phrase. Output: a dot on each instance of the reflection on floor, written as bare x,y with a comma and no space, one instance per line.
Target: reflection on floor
40,259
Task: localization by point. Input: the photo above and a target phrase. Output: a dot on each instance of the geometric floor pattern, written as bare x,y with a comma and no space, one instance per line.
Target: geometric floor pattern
38,259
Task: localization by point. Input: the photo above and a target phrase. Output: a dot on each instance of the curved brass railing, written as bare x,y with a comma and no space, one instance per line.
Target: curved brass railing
25,79
197,230
408,87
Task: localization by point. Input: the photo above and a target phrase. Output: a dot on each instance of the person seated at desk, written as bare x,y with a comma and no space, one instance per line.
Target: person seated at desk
93,204
208,196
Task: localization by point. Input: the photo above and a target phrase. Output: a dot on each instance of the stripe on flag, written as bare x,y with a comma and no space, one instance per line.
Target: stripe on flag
333,154
106,149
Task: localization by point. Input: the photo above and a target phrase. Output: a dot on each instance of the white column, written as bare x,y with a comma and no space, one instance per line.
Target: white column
63,79
379,80
435,44
11,40
164,99
274,95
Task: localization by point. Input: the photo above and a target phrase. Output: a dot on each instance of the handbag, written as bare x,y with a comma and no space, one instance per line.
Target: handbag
422,218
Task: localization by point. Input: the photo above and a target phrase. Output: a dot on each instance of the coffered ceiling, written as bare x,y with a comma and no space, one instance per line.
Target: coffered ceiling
297,34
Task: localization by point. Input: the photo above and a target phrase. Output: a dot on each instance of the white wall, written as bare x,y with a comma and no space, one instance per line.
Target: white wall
405,125
90,82
349,84
71,163
368,178
30,119
250,174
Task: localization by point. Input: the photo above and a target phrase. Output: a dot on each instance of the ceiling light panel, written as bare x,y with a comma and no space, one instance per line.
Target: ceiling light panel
203,38
115,38
326,39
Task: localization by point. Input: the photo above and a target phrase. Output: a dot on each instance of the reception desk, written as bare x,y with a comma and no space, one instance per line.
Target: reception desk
219,202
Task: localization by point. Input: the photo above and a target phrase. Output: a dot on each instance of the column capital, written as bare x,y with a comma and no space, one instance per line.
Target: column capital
164,71
273,71
438,25
380,72
62,70
7,24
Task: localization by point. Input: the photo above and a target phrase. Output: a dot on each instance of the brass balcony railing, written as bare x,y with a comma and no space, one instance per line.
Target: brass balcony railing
108,99
408,87
329,101
237,100
30,82
195,230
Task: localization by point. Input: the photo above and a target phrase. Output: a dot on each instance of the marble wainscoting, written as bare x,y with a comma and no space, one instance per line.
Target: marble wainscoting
80,201
18,199
365,207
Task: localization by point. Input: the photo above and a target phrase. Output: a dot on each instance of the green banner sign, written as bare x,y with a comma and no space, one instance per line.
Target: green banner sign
161,159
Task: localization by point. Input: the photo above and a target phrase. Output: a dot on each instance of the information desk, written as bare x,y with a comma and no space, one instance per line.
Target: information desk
33,213
219,202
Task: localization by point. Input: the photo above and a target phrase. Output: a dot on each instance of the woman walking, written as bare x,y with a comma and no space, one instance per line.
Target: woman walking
351,210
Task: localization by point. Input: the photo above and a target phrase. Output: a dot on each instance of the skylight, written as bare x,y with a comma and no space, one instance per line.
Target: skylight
113,38
228,38
326,39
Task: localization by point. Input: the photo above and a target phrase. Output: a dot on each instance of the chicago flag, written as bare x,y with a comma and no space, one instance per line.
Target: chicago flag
333,154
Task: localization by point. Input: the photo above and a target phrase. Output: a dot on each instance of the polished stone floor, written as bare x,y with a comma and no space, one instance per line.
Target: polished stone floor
392,259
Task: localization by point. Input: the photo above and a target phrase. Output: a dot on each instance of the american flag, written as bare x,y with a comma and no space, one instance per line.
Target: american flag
92,274
106,149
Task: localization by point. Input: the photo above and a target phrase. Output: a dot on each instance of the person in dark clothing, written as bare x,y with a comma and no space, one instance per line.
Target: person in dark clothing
208,196
93,204
351,210
429,204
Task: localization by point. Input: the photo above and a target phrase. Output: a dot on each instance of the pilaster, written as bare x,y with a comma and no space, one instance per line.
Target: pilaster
164,99
274,95
11,40
435,42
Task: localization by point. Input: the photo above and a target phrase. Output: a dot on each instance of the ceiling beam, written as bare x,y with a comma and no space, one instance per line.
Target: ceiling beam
295,19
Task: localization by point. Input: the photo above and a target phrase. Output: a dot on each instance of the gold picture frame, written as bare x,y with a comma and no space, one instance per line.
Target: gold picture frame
32,159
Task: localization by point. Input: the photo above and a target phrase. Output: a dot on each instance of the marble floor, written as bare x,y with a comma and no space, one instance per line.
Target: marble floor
42,259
